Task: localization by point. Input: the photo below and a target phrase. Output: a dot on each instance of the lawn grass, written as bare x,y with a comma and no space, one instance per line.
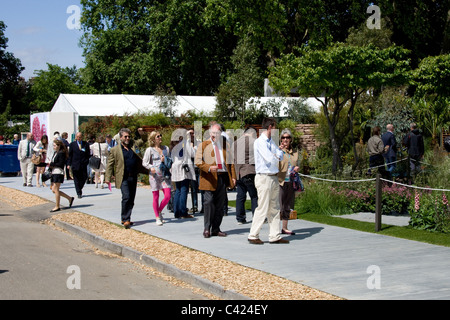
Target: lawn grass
388,230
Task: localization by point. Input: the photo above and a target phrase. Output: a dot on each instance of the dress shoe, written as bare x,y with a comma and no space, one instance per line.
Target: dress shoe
287,232
280,241
219,234
127,224
255,241
206,234
187,217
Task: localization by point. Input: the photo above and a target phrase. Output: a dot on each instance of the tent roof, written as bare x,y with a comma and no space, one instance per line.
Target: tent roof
121,104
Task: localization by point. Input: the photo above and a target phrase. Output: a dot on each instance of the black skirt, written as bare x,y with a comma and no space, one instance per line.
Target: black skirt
57,178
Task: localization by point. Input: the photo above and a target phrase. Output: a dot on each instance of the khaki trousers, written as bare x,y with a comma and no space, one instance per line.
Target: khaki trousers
27,169
268,190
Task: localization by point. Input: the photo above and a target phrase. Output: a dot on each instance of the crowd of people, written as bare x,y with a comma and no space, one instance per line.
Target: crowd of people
383,149
205,168
257,166
252,164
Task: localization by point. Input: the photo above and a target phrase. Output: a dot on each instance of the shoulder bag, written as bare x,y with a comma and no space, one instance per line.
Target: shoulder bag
95,162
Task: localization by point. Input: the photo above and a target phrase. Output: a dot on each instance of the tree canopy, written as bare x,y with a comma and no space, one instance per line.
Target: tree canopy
340,74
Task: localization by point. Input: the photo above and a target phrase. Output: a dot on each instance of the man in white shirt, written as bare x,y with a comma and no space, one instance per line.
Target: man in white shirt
267,157
24,153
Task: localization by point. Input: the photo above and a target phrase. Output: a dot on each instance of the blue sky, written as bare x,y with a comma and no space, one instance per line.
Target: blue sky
41,31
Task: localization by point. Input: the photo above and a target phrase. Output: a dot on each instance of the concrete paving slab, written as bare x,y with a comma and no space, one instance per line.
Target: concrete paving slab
336,260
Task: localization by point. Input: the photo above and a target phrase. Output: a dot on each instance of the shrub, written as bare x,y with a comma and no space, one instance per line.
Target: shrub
319,199
430,211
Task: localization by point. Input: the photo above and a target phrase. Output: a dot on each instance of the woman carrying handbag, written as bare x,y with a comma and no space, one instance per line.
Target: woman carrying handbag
57,166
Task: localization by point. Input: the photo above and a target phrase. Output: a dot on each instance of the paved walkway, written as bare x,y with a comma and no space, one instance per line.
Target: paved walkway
348,263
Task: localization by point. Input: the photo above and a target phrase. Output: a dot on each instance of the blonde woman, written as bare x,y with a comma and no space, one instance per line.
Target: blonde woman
41,149
153,157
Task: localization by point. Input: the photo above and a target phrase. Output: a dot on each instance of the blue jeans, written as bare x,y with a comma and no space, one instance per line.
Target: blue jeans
180,198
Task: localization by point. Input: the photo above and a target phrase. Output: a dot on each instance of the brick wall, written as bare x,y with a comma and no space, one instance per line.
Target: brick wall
308,141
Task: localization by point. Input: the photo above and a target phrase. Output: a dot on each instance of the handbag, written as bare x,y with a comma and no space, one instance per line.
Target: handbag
95,162
46,175
296,182
36,159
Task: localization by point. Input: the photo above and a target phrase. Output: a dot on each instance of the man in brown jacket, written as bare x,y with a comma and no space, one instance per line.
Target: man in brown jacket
125,165
215,176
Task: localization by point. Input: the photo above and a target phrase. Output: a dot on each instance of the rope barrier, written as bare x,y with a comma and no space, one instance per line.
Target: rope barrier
373,179
316,178
415,187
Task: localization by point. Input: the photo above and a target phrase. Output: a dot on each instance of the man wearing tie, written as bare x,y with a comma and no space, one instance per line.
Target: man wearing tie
24,153
215,176
79,154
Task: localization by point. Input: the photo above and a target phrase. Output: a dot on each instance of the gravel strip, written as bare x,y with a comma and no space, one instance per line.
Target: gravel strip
249,282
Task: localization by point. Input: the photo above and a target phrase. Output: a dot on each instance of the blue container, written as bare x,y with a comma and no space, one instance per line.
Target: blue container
8,159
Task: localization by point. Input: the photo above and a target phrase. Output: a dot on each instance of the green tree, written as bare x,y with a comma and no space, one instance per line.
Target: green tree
340,74
10,69
432,97
137,46
244,82
49,84
422,26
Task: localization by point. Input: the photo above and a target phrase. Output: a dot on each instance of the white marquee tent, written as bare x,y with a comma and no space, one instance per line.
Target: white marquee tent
92,105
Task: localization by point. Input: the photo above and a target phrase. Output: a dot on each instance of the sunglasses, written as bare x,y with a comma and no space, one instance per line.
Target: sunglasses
159,136
285,137
126,137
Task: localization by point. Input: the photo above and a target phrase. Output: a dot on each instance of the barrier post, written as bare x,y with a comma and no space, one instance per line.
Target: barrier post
378,192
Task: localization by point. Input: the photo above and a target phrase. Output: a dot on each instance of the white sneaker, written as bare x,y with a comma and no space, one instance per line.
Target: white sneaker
159,222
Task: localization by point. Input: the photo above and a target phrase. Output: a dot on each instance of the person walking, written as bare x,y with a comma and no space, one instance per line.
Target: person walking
391,155
216,174
24,153
244,164
57,165
125,165
154,155
267,158
288,165
40,149
100,150
79,153
182,171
